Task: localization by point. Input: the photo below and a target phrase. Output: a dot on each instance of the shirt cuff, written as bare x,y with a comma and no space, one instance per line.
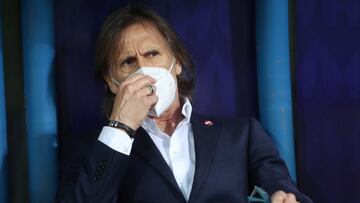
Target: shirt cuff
116,139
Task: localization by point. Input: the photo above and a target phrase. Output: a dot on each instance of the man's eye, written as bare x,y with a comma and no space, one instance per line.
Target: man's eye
128,61
153,53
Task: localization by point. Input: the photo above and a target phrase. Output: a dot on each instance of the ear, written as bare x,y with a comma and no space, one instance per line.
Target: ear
112,85
178,68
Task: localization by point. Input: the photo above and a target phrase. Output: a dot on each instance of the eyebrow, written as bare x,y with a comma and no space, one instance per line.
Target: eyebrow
151,51
150,48
128,55
125,56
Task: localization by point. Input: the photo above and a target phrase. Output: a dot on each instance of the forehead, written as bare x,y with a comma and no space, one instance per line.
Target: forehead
141,36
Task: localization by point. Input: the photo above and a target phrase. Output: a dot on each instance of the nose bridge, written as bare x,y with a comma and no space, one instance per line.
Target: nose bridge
141,61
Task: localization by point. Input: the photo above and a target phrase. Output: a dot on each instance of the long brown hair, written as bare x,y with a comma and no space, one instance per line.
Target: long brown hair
111,33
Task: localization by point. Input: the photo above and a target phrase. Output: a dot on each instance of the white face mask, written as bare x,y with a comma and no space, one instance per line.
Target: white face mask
165,87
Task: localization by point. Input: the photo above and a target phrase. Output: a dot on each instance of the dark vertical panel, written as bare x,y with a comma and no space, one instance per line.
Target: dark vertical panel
292,45
211,36
79,92
328,98
3,134
242,17
15,108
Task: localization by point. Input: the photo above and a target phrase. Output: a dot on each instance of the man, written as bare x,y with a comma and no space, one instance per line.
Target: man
154,148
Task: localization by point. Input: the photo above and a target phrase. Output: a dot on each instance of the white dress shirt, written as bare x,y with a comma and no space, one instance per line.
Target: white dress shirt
177,150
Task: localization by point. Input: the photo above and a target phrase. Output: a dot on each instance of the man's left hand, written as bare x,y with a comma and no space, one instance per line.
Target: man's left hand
282,197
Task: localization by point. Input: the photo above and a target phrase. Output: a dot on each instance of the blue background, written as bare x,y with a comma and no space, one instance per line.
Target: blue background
328,99
220,36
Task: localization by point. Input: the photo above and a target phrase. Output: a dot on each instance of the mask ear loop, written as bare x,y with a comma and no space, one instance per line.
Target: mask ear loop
114,80
172,64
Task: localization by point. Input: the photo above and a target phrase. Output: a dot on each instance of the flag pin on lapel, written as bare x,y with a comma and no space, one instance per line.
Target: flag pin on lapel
208,123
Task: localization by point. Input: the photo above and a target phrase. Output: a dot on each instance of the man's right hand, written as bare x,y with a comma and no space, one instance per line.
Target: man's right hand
132,101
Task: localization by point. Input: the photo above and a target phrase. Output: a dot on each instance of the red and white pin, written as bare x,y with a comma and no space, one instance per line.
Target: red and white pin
208,123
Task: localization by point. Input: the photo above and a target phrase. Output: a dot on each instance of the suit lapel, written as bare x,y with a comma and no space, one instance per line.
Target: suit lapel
205,140
206,135
145,148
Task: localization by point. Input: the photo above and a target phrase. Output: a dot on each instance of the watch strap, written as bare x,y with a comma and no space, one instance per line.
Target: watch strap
119,125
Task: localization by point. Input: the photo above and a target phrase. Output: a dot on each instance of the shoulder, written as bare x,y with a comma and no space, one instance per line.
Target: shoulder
248,131
231,129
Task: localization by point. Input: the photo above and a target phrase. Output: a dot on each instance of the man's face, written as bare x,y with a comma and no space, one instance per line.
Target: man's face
142,45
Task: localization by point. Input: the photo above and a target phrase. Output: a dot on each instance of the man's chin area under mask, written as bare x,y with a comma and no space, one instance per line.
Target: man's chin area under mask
174,108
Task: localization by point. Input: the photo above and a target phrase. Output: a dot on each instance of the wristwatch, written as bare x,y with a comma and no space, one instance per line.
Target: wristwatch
119,125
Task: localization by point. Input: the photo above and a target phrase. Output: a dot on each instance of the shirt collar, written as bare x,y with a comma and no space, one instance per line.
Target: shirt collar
149,124
186,110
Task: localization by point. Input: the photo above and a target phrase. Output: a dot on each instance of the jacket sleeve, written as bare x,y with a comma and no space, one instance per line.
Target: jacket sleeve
92,172
266,169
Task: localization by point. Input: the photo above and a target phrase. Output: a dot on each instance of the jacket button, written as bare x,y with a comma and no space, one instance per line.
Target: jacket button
96,178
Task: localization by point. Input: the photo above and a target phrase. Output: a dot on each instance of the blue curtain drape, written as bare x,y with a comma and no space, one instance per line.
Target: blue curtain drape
3,140
39,80
274,80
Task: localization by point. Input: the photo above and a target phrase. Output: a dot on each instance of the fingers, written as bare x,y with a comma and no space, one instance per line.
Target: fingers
290,198
137,83
133,100
278,197
282,197
132,78
138,77
145,93
152,100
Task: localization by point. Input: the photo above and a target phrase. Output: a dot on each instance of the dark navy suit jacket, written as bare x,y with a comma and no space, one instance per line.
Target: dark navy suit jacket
231,157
